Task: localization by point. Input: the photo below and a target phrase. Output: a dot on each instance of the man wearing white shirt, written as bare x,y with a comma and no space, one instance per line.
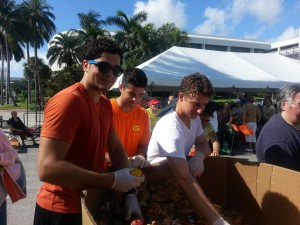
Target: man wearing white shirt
176,133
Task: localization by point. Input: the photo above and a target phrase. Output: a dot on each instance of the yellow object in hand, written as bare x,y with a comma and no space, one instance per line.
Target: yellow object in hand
136,172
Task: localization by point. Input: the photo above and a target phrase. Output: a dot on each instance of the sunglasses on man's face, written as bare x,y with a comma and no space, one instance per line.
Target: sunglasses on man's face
105,67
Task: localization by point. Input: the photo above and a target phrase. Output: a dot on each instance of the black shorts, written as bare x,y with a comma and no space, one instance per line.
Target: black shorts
45,217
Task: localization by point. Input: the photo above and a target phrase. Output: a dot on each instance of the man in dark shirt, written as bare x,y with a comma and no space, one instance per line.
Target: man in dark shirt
279,139
18,128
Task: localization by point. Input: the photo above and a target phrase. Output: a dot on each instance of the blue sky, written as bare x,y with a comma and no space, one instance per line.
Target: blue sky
266,20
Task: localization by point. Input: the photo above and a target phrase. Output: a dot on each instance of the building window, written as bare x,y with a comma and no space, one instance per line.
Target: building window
216,47
256,50
239,49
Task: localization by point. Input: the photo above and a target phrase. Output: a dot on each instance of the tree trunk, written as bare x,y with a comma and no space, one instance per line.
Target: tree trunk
29,96
2,76
7,73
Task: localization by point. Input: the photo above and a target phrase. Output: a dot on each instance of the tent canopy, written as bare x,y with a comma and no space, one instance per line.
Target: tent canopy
228,71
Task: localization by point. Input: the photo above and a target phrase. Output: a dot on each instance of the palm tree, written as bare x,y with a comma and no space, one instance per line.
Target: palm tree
170,36
40,20
92,26
129,28
146,47
11,38
65,48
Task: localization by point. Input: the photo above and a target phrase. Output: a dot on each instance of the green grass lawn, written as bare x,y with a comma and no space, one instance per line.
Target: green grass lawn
20,105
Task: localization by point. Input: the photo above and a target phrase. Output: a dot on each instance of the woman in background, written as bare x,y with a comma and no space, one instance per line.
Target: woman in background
8,156
209,131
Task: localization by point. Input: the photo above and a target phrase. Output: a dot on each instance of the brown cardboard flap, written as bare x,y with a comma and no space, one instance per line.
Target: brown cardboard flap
87,218
281,203
214,180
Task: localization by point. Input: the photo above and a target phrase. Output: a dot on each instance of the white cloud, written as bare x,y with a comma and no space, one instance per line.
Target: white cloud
289,33
222,21
256,34
267,12
214,24
163,11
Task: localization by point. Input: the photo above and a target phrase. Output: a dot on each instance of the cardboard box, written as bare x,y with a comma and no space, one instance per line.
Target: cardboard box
269,194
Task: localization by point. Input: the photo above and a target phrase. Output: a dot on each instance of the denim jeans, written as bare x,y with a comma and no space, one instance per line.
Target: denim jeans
3,208
3,214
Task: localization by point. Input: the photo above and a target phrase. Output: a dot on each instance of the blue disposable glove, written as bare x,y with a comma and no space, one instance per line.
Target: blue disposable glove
132,207
196,165
138,161
221,221
124,181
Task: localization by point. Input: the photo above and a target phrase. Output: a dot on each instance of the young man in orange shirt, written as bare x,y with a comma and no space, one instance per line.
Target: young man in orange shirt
132,125
130,119
77,131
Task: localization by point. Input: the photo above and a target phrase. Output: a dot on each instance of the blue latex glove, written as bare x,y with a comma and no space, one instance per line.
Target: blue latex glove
196,165
221,221
124,181
132,207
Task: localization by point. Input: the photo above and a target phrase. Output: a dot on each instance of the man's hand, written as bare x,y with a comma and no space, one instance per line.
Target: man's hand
132,207
124,181
221,221
138,161
196,165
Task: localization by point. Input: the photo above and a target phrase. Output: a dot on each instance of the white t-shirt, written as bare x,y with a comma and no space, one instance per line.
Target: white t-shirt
171,137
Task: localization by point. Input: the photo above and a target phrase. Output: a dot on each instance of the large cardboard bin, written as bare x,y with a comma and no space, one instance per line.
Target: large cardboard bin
270,195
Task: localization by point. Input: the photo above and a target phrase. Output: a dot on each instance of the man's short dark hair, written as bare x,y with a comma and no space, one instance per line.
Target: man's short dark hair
135,77
95,48
196,84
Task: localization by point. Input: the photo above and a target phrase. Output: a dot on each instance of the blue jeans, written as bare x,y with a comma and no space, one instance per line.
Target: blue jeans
3,215
3,208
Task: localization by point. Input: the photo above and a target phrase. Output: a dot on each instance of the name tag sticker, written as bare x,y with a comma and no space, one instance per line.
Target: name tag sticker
135,128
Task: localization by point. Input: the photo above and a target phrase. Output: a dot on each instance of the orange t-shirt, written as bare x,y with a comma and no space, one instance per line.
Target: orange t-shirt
132,127
73,117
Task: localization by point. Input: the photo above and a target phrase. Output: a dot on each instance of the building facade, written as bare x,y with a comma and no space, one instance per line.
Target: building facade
289,48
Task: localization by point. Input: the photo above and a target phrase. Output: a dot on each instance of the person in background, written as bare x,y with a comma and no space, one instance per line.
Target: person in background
237,112
224,119
170,99
243,98
8,156
209,131
268,110
19,128
130,119
176,133
279,140
251,115
77,131
152,111
145,99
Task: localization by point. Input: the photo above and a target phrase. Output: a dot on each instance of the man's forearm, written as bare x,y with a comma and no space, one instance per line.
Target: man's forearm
66,174
198,199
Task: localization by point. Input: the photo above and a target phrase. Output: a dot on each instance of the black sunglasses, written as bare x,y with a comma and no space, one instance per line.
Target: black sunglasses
105,67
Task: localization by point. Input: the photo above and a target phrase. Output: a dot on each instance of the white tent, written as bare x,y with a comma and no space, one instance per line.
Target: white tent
229,71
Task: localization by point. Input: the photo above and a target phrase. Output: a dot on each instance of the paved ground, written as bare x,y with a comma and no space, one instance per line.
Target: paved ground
22,211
